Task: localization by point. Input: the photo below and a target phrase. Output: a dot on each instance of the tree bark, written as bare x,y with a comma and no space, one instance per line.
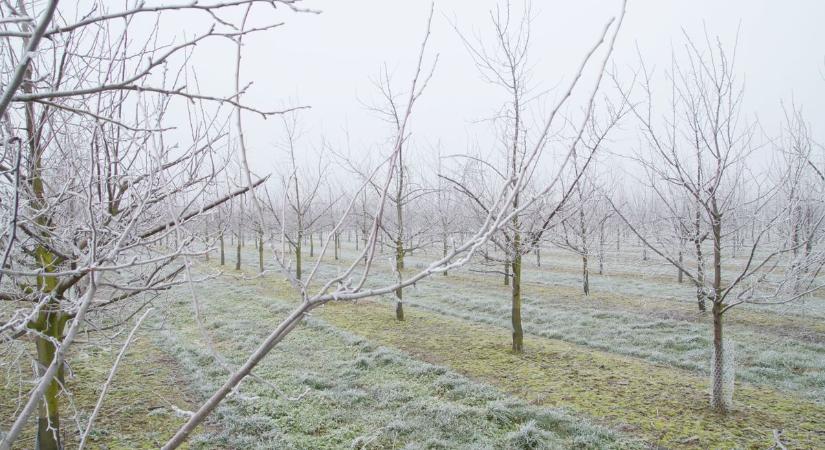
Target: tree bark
717,377
717,400
223,257
518,333
50,324
680,274
298,256
261,253
238,254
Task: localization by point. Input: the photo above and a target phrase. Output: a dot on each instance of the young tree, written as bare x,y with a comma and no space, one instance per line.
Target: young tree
302,188
350,284
701,172
505,66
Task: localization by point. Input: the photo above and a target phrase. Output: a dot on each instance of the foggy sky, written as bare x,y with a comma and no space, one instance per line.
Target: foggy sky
328,61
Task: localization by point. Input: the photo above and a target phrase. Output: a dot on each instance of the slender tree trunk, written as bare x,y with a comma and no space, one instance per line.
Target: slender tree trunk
717,400
601,248
238,255
679,274
507,272
399,292
538,256
518,333
717,377
444,248
700,264
298,256
206,239
261,252
311,245
585,251
223,257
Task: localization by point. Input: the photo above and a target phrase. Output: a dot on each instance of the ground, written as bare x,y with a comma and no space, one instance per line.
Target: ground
625,367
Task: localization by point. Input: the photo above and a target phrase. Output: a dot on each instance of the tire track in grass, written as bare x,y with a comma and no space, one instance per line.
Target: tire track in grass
663,405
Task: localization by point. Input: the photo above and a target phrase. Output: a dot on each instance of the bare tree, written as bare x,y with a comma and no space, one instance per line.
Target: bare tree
97,181
699,169
350,284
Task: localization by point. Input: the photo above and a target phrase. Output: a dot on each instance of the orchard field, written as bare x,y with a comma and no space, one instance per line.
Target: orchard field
625,367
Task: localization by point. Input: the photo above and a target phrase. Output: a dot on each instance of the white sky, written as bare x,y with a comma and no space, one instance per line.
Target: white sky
327,61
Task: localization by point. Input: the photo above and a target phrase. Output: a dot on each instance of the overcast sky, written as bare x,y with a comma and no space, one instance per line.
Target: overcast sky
328,61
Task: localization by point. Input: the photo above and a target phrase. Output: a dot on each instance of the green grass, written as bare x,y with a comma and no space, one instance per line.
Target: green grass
598,372
136,412
359,394
665,406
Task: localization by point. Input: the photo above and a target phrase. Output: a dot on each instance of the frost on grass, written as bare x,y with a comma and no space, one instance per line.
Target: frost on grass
530,437
361,395
789,363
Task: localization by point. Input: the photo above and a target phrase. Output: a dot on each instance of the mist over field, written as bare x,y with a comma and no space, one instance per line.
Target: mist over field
301,224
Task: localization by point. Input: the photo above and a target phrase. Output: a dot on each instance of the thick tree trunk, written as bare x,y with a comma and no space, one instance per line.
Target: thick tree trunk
51,325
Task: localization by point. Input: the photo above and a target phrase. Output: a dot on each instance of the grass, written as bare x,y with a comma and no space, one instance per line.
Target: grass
666,406
137,411
604,371
358,394
775,349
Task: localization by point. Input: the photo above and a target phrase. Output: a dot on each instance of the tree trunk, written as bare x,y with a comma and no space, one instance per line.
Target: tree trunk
261,252
601,248
717,391
311,245
444,249
298,256
717,400
238,255
507,273
538,256
680,274
223,258
518,333
206,240
399,267
51,325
